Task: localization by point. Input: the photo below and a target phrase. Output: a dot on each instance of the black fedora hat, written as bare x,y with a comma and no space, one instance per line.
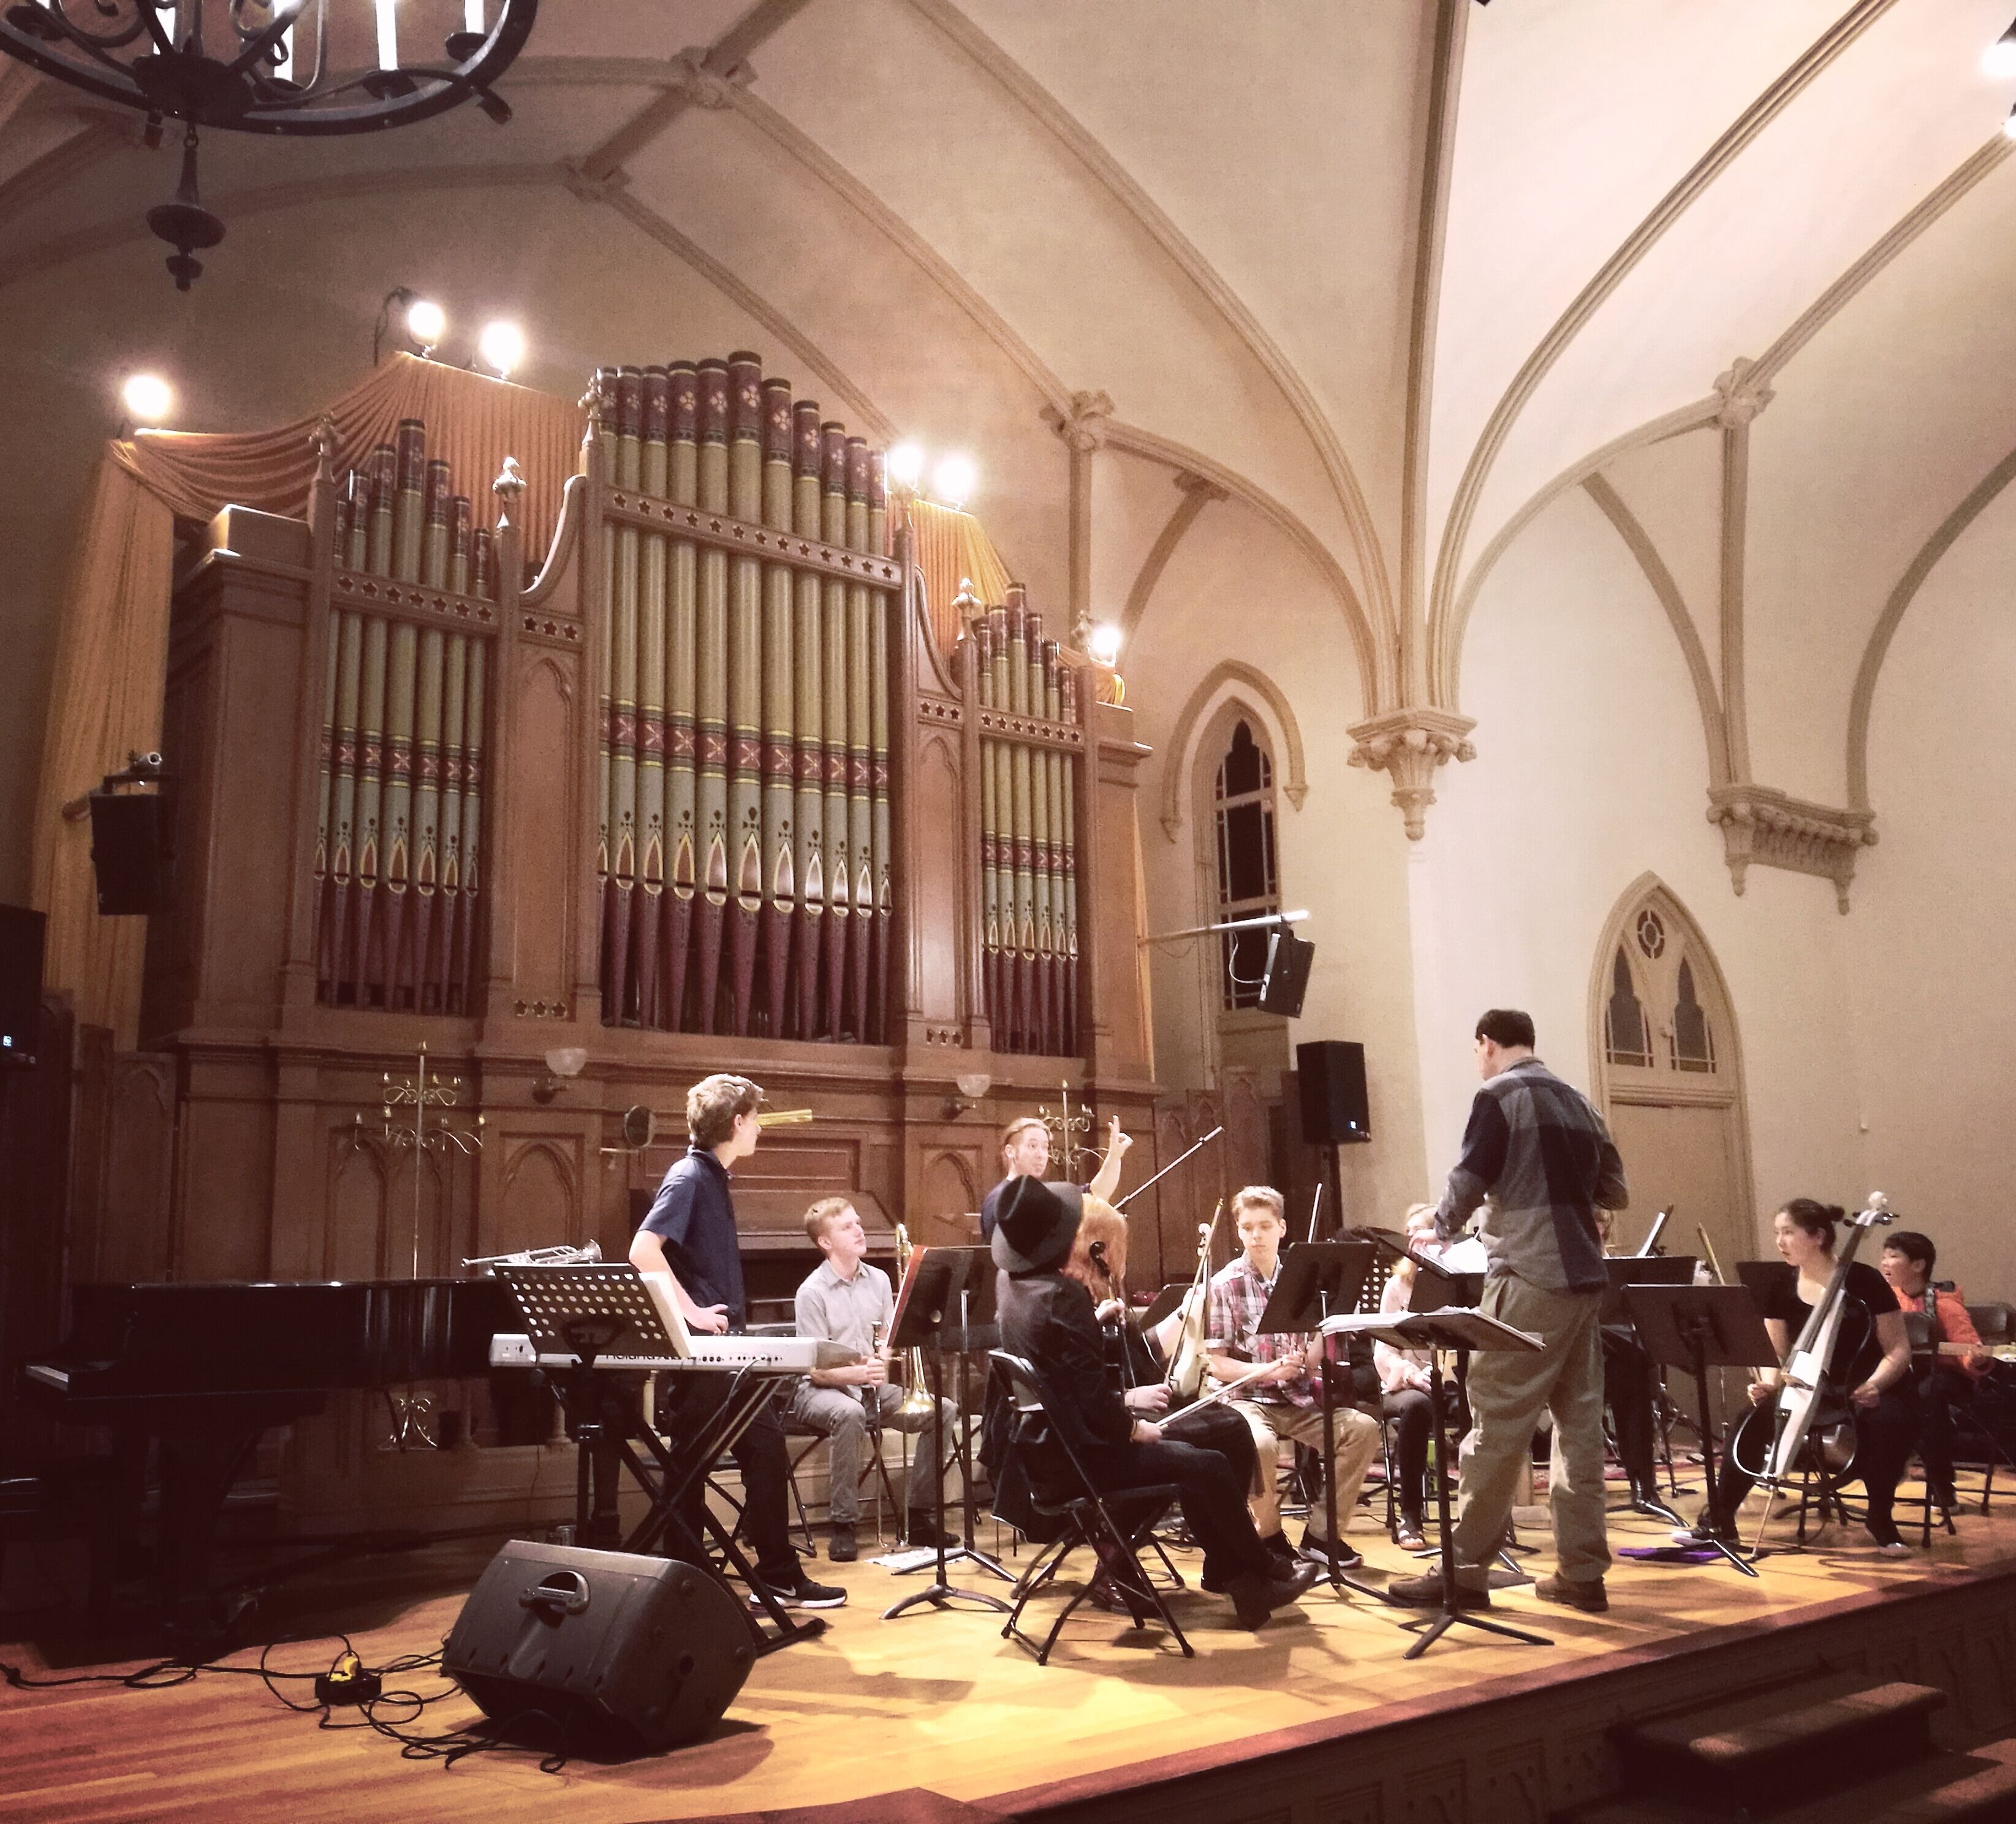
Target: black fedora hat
1035,1225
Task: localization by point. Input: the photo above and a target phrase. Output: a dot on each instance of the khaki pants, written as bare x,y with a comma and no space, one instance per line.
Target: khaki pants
1508,1390
1357,1438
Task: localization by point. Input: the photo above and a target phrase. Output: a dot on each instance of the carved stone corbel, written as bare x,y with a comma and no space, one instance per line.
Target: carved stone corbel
1767,826
1408,744
1080,425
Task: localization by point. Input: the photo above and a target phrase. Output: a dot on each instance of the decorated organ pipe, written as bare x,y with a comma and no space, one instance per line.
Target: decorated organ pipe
397,797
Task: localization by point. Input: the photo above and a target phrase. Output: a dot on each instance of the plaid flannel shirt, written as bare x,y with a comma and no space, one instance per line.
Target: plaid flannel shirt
1238,1296
1540,1150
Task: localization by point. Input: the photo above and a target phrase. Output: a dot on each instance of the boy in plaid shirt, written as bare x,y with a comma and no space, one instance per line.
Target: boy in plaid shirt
1288,1402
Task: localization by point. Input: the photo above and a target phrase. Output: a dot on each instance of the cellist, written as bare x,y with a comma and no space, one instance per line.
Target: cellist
1878,1379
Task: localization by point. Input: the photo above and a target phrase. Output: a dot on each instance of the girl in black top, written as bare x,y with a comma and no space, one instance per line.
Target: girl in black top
1885,1421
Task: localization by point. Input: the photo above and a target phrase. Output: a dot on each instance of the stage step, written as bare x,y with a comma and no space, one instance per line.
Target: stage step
1774,1748
1975,1788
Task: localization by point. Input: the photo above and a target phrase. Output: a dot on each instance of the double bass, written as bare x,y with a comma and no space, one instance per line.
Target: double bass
1811,1418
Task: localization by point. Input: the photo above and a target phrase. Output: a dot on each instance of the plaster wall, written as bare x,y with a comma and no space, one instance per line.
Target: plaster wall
1934,928
1236,590
1592,772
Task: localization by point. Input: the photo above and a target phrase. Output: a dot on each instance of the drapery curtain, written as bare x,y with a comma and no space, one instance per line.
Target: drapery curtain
112,640
952,547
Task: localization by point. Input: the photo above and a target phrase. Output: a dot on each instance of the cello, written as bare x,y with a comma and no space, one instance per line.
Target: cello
1810,1422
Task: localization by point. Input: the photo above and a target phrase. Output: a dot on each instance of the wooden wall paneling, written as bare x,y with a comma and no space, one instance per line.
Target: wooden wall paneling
90,1068
951,1178
539,1190
136,1173
354,1241
546,796
169,971
298,1245
223,1193
246,600
1117,1039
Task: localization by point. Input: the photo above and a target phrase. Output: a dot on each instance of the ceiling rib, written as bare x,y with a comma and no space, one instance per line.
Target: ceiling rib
1156,448
1044,107
1758,115
1197,494
763,19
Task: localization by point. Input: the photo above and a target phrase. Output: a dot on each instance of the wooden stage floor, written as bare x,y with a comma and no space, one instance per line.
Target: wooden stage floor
865,1716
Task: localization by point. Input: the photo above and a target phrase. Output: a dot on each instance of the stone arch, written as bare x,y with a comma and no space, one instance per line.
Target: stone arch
1260,697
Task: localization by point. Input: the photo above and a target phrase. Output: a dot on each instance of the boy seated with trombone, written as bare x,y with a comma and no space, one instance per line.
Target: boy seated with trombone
1285,1401
847,1300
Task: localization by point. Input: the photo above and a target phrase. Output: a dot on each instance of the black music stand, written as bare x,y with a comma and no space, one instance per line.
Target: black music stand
1629,1270
1464,1330
584,1309
935,1312
1696,1328
1317,1280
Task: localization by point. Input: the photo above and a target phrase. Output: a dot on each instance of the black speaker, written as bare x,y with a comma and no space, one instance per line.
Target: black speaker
1331,1075
21,932
1286,978
639,1653
126,851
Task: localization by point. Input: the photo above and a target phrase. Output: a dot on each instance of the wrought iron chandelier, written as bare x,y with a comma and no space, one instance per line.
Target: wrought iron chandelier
305,67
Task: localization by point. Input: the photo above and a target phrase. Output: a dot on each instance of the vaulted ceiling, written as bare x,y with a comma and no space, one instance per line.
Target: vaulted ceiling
1389,270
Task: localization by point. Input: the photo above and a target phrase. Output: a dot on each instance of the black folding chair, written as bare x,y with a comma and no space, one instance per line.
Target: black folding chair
1115,1527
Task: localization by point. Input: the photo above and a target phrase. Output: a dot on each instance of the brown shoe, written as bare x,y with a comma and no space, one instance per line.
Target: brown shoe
1426,1593
1590,1597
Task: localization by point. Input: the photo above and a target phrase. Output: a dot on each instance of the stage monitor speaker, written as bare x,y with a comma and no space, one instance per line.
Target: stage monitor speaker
126,854
640,1652
1287,979
1330,1076
21,933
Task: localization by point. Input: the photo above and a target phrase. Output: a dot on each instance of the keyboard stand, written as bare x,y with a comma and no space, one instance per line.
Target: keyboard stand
588,1310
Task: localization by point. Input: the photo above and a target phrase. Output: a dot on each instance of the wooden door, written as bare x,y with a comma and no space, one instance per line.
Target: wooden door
1681,1154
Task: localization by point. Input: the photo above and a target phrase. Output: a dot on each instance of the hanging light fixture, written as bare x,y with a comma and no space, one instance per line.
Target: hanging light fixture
313,67
1999,60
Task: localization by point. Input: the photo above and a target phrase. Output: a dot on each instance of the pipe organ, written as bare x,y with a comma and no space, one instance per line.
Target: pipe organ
697,788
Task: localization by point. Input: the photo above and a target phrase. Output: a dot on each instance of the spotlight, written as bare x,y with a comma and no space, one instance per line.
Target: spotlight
1105,643
953,480
1998,60
502,346
427,323
906,465
148,399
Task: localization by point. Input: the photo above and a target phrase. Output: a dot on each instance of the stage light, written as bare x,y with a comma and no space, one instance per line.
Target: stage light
148,399
906,465
427,323
1105,643
1998,60
502,346
954,479
2009,125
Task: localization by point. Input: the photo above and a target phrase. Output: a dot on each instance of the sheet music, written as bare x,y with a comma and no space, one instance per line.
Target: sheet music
1430,1329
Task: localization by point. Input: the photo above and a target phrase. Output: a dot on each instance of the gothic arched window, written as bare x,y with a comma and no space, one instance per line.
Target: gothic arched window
1248,882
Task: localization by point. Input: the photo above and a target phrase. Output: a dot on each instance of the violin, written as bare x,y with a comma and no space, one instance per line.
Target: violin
1810,1422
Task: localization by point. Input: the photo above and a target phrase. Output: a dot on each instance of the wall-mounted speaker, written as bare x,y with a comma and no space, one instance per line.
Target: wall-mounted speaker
1329,1075
21,935
128,830
641,1653
1286,978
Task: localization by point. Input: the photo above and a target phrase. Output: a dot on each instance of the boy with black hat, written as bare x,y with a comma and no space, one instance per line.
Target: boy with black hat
1048,1319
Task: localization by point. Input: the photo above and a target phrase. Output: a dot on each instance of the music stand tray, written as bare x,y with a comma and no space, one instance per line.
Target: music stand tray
947,1303
1446,1328
1696,1328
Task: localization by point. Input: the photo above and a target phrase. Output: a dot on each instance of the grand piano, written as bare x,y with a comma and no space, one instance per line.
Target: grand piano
200,1370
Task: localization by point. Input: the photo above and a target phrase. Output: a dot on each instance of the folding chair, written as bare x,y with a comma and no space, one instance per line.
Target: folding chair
1089,1517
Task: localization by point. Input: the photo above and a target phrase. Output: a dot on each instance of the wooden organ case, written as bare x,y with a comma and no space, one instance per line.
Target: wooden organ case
702,793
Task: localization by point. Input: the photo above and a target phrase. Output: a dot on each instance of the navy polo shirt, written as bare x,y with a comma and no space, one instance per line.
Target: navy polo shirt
694,1215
